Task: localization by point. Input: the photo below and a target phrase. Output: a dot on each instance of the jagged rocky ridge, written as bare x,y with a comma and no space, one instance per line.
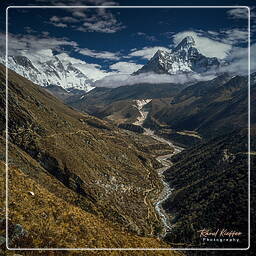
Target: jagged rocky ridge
184,58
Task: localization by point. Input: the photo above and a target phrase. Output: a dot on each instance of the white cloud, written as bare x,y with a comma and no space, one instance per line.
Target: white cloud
213,33
96,20
125,67
238,13
100,54
238,59
147,52
31,43
45,52
118,80
29,30
253,58
87,19
207,46
147,37
93,71
60,25
104,26
78,2
233,36
63,19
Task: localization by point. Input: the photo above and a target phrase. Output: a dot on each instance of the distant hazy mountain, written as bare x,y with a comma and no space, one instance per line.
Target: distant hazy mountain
184,58
49,71
62,93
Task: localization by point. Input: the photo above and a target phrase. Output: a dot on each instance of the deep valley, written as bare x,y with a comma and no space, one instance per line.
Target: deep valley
147,165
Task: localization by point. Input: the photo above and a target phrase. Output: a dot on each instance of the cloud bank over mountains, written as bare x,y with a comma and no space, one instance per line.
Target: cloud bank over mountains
45,46
113,81
229,44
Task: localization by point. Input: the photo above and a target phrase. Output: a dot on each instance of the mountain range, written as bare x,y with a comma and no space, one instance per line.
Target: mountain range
50,71
57,70
108,186
209,108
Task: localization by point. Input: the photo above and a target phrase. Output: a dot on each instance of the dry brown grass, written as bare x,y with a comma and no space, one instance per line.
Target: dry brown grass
114,170
85,154
52,222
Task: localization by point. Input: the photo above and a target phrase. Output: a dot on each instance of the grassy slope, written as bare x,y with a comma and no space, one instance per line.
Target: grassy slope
90,157
101,172
53,222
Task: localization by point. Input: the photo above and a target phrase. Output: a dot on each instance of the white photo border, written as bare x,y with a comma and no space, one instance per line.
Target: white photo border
132,249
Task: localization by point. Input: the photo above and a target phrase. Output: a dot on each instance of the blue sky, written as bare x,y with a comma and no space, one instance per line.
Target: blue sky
118,40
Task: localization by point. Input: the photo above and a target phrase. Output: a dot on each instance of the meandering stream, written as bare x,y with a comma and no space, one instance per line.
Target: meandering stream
166,192
165,161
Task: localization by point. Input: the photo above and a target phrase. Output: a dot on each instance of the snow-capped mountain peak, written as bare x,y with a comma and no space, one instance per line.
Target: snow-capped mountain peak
159,54
185,44
51,70
184,58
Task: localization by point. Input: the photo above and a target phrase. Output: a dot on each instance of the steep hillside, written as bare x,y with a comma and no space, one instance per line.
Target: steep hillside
85,162
207,108
50,221
210,185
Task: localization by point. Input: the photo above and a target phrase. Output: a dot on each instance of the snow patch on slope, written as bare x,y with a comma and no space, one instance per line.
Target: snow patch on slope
139,104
